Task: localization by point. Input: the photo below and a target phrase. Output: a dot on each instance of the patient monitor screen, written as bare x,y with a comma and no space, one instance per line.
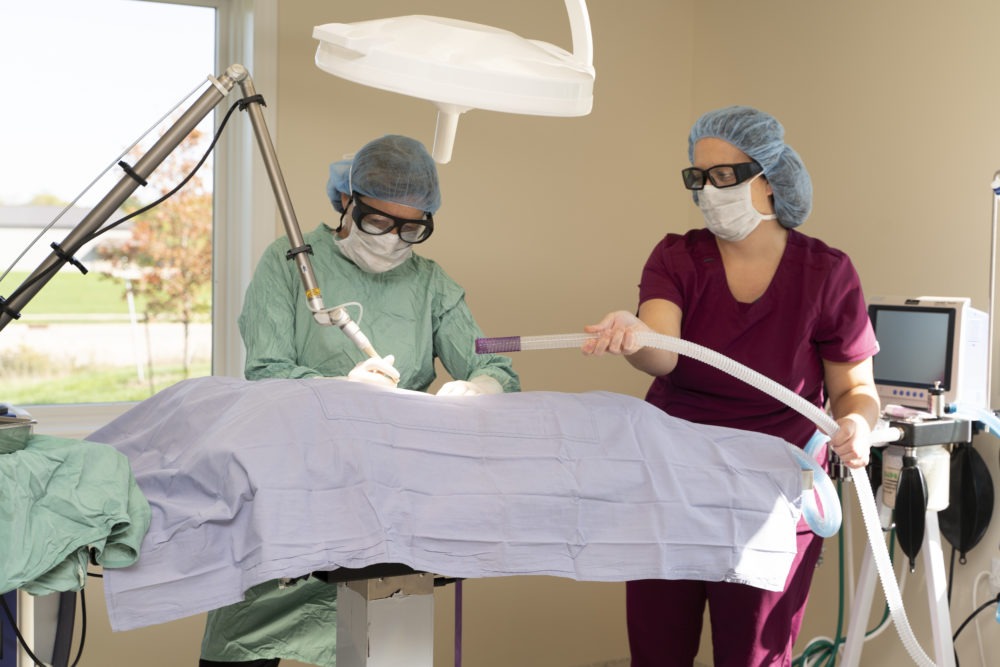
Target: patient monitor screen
915,346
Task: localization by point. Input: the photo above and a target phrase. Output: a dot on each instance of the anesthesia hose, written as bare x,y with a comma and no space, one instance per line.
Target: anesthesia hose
974,413
815,414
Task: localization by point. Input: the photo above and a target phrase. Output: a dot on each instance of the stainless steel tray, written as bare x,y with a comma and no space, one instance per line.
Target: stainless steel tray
14,433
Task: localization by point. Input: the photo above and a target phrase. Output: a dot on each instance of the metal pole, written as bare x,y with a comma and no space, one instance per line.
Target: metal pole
299,251
267,152
993,283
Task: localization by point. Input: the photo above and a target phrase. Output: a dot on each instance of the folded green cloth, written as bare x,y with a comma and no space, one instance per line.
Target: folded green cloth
63,502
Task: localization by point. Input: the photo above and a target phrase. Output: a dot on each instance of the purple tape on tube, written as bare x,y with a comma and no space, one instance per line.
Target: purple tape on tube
498,345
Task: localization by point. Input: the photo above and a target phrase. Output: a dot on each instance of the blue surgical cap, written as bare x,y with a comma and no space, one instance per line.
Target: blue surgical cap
762,137
392,168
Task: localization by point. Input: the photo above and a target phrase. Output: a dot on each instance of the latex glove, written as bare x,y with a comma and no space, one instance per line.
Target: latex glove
481,384
375,370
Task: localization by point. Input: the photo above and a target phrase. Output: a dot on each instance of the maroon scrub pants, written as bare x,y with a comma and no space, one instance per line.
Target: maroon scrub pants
750,626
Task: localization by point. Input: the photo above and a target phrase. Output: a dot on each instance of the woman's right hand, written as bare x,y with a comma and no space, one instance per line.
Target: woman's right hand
615,334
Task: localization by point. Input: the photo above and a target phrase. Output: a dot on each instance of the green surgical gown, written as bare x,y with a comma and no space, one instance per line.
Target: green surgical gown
414,312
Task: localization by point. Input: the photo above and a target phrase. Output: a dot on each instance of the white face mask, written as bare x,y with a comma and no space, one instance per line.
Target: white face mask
729,212
373,254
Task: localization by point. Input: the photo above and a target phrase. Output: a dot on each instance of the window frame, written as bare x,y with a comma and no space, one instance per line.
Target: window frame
244,215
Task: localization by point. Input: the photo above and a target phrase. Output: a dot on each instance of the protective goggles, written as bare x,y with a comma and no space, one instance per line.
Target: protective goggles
375,222
721,175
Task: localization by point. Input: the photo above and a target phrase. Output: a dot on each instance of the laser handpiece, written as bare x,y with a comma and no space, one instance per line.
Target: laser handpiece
338,316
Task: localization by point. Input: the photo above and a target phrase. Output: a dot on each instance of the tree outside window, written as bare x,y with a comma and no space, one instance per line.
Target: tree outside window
166,264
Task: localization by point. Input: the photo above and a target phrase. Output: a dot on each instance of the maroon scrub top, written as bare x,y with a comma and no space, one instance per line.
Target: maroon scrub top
814,309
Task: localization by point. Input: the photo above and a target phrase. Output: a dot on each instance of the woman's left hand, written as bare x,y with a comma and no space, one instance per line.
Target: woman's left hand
852,441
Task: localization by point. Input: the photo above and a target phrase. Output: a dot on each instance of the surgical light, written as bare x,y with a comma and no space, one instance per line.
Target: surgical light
458,66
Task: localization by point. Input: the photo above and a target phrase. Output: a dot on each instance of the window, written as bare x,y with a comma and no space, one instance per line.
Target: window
94,76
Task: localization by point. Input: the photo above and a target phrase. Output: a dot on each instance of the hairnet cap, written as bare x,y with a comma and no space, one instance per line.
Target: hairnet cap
762,137
392,168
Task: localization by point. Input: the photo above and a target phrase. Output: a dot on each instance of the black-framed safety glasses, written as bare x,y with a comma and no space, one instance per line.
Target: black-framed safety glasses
373,221
721,175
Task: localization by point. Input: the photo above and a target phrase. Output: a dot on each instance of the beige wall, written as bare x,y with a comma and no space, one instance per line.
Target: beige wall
546,222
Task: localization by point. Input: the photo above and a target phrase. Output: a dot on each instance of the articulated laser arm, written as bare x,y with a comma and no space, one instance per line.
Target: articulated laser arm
65,252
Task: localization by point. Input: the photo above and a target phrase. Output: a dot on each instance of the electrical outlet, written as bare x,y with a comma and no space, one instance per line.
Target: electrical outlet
995,576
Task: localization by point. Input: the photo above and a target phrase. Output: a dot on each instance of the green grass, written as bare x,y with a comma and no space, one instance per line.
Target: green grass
29,377
93,385
72,293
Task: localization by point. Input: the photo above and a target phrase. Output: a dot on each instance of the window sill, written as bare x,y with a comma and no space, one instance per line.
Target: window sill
74,421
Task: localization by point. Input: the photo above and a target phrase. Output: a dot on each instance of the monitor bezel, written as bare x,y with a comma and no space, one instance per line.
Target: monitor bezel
951,311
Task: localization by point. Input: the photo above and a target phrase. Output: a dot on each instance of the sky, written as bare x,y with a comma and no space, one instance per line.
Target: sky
85,79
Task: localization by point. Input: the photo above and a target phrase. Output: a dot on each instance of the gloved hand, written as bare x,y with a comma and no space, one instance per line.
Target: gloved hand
375,370
481,384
